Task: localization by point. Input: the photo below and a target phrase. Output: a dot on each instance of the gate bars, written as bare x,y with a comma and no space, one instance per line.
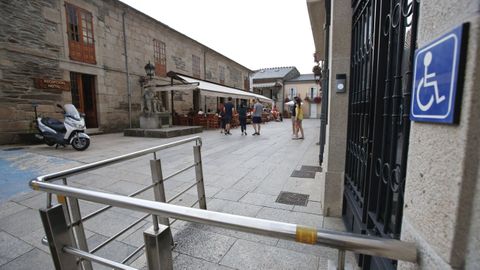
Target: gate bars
383,44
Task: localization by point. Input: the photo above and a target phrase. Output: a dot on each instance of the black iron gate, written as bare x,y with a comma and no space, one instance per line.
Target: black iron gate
383,42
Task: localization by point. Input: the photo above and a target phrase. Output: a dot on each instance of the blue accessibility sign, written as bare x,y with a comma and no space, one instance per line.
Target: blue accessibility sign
436,78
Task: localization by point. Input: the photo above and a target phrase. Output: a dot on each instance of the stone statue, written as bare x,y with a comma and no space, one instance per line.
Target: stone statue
157,103
148,96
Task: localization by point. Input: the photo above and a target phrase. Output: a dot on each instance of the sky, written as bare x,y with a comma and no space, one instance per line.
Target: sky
254,33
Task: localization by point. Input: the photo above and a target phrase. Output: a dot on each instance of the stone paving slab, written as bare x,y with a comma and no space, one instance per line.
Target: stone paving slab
34,259
202,244
115,250
109,223
11,248
9,208
264,200
230,194
250,255
291,217
191,263
21,223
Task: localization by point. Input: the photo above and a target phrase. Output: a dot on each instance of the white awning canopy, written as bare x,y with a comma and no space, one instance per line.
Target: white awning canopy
266,85
216,90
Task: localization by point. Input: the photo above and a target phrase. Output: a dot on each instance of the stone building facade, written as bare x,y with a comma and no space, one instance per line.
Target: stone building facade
56,51
435,182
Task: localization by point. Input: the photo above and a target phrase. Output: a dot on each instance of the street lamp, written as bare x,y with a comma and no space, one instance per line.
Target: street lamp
150,70
317,73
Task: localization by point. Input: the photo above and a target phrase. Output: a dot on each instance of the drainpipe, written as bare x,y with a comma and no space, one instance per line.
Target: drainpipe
204,78
129,89
282,100
325,86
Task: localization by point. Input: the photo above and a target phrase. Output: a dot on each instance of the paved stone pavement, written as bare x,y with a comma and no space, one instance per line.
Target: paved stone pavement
243,175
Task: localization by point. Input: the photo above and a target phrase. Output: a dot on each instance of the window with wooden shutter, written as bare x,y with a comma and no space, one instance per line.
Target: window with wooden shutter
160,58
196,66
246,84
222,75
81,42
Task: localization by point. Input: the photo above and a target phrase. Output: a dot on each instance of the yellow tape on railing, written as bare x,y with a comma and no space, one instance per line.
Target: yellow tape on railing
61,199
34,186
307,235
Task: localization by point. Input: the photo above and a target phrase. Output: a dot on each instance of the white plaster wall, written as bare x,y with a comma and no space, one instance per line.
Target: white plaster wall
443,159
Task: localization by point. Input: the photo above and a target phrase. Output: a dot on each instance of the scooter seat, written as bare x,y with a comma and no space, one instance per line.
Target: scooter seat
54,124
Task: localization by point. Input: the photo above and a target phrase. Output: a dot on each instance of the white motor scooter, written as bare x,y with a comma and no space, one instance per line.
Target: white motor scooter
71,131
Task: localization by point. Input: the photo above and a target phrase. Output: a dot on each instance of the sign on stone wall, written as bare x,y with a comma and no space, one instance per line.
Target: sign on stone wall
52,84
438,78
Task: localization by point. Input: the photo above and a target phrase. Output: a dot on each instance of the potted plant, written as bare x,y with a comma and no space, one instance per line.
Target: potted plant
307,99
317,99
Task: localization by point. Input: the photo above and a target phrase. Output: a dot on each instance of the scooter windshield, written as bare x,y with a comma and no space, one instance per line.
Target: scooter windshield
71,111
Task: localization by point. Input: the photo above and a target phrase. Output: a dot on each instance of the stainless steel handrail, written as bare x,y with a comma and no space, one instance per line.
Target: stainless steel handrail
94,258
103,209
110,161
375,246
104,243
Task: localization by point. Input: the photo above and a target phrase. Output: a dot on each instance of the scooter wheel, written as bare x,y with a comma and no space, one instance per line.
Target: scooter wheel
80,144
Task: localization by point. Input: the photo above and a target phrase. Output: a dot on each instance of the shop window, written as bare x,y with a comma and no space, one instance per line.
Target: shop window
195,66
160,58
81,42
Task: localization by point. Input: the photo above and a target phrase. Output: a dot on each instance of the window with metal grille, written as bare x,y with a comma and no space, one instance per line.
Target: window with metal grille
195,66
160,57
222,75
81,42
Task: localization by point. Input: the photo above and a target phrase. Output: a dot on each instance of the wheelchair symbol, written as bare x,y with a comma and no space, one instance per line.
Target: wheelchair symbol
428,81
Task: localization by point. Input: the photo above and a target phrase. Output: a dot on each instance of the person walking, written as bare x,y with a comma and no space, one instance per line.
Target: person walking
242,116
228,109
221,117
298,119
292,112
257,116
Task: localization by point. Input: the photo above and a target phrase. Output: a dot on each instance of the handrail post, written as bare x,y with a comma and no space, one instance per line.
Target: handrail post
197,157
158,190
71,209
79,232
58,235
157,248
341,260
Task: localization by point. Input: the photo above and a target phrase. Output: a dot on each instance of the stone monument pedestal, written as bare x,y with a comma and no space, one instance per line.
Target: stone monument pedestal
155,120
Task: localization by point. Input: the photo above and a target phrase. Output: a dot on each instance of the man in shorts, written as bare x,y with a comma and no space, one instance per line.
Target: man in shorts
257,116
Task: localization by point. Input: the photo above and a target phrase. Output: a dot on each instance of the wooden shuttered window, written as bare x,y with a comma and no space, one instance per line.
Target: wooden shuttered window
196,66
81,42
222,75
160,58
246,84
